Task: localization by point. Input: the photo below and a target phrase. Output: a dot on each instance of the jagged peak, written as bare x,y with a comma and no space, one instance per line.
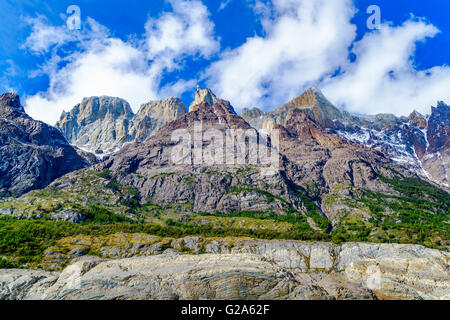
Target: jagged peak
315,90
11,100
442,104
203,96
312,97
415,113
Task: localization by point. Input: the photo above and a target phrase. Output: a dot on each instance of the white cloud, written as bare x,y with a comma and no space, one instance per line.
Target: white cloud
185,31
104,65
304,41
383,79
223,5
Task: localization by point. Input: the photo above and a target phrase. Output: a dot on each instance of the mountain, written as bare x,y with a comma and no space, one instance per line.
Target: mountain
203,96
319,220
312,101
417,142
327,186
97,123
104,124
153,115
32,154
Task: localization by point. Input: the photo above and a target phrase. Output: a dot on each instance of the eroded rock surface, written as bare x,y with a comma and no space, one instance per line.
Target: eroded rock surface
32,153
246,269
104,124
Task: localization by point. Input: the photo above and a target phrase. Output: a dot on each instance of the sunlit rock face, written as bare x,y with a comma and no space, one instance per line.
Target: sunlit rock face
105,124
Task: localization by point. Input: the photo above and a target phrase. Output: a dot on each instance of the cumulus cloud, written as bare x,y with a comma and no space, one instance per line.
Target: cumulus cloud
99,64
308,42
304,41
383,78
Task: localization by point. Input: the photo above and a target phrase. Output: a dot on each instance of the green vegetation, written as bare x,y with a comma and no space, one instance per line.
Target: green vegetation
105,174
97,214
298,222
26,240
418,214
164,174
312,211
189,181
240,189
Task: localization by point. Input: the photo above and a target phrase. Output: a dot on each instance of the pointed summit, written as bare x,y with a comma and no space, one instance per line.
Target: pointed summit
315,100
11,101
201,96
418,120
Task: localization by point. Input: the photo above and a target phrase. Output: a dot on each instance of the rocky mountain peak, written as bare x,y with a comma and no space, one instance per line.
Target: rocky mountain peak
251,113
11,101
172,107
418,120
439,128
32,153
153,115
312,101
322,109
97,123
94,108
104,124
203,95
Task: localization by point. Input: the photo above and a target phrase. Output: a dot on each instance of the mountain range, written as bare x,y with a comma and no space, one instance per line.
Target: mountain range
104,124
342,178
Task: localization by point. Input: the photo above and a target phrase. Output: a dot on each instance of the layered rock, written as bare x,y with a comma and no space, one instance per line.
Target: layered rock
104,124
312,101
32,154
246,269
150,166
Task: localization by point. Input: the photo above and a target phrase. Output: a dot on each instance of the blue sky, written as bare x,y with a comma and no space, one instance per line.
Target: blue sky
255,53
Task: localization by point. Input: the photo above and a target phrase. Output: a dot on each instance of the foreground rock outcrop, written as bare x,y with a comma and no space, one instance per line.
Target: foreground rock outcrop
32,153
246,269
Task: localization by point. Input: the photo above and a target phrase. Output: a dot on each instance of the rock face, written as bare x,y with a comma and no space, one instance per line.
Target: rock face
436,158
308,156
97,123
32,154
203,96
417,142
312,102
104,124
322,177
249,269
153,115
150,168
